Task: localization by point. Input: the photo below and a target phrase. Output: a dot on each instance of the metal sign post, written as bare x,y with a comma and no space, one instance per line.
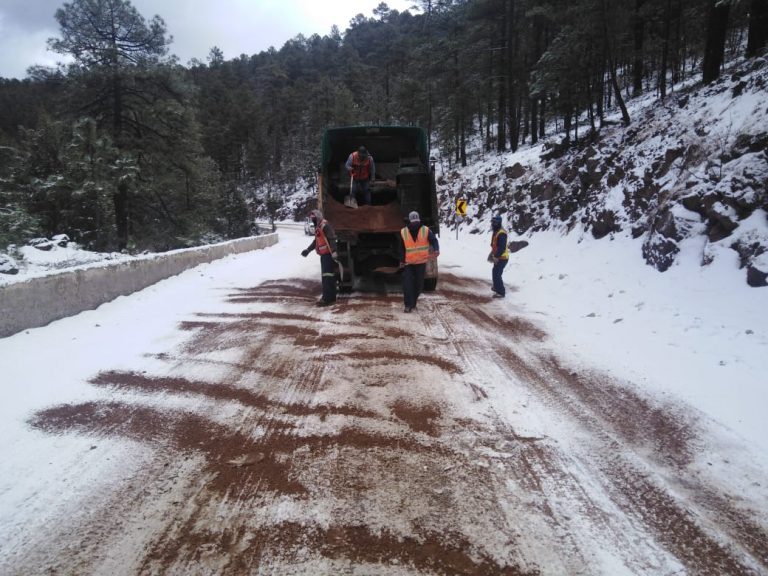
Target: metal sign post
461,211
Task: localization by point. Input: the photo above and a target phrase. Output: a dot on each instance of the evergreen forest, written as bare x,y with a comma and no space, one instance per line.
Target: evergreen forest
126,148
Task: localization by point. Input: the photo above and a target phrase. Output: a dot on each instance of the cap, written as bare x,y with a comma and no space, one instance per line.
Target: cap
362,151
496,219
414,217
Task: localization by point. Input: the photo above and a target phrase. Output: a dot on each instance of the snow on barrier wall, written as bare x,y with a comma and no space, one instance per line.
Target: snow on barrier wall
39,301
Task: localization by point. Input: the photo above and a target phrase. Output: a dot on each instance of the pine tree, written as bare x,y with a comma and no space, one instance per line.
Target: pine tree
113,47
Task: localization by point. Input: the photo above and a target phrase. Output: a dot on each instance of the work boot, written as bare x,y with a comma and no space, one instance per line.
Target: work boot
497,295
322,302
408,309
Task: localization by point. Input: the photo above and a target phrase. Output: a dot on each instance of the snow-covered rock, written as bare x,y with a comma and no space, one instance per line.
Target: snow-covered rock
694,167
41,244
60,240
8,265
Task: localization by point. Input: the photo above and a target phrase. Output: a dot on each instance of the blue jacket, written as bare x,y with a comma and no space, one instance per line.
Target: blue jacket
501,244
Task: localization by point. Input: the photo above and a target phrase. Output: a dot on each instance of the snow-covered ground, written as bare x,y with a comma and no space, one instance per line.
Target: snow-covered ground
691,336
31,262
696,333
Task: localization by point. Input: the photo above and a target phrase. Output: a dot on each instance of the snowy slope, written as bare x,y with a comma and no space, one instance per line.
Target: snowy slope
691,169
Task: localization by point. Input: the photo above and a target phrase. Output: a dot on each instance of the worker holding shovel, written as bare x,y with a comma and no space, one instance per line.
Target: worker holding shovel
418,244
362,173
325,245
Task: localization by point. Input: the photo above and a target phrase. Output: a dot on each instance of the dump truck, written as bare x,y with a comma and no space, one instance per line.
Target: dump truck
369,235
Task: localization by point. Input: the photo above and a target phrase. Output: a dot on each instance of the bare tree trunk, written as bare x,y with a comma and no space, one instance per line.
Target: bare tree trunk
456,142
714,48
526,123
489,104
120,198
534,104
501,136
590,109
638,30
612,67
665,51
515,129
619,100
513,88
678,48
758,27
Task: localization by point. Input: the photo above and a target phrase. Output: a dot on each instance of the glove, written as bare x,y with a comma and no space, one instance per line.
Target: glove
435,254
335,256
402,265
495,260
304,253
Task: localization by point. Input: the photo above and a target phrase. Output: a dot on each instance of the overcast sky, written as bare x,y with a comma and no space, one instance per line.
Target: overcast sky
235,26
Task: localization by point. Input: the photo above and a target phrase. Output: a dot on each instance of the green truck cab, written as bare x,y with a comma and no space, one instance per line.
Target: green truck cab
369,236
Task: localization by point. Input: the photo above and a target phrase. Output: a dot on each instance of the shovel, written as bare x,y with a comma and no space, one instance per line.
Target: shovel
516,246
386,270
350,202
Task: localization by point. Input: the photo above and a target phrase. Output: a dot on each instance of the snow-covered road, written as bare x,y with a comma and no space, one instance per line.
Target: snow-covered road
219,423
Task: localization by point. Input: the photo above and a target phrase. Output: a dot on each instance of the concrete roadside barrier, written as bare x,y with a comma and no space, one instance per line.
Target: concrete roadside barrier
41,300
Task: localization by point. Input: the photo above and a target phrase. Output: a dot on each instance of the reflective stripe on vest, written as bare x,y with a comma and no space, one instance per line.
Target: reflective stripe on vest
416,251
361,170
321,242
494,242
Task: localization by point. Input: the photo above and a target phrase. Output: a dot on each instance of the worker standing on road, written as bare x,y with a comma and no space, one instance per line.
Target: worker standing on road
499,256
418,244
362,170
325,245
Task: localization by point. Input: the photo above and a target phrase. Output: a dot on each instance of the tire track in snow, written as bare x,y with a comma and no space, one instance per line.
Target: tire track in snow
327,442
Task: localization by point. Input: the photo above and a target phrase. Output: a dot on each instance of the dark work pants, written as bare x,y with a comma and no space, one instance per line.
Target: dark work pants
413,283
328,271
498,285
361,186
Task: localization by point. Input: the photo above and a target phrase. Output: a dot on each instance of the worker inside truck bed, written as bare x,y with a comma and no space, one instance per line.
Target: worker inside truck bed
362,169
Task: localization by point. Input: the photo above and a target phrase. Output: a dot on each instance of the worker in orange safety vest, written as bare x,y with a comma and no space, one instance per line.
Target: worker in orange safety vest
417,245
362,169
325,245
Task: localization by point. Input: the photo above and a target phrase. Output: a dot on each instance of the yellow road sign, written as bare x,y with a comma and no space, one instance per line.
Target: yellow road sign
461,207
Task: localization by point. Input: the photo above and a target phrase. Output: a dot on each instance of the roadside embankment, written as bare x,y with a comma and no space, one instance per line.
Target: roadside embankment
38,301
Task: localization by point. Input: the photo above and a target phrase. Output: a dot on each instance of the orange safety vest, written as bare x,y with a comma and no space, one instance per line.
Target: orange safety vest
494,242
321,242
416,251
361,170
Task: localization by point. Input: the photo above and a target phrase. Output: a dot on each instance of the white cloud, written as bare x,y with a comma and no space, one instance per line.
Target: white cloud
235,26
19,50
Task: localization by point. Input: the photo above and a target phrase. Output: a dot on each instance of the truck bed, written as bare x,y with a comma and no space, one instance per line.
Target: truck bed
377,219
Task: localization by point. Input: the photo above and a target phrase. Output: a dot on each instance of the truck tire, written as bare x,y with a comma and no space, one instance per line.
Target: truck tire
430,284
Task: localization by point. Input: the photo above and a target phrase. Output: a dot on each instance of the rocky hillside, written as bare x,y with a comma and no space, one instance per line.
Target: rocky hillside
691,169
